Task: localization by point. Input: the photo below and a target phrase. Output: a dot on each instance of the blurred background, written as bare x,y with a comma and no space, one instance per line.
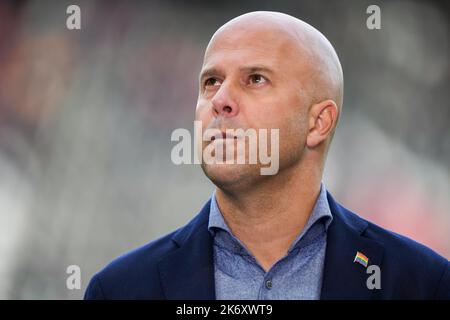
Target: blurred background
86,117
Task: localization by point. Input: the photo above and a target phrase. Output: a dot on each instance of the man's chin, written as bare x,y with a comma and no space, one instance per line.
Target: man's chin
231,176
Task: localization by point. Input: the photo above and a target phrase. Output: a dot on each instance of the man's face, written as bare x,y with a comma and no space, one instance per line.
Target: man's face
254,79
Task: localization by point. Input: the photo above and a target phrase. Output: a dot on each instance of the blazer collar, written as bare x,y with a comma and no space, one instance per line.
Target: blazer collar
343,278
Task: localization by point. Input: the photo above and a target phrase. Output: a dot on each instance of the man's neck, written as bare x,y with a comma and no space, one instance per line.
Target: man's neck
269,217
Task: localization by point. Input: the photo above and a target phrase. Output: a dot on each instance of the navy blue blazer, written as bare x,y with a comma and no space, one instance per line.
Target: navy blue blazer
180,265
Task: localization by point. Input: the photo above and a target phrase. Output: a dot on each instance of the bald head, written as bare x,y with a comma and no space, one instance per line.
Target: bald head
312,54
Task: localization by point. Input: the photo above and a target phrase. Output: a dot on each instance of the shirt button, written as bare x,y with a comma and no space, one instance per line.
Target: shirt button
269,284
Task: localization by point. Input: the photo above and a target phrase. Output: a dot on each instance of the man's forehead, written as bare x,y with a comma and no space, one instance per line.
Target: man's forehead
265,38
250,48
246,61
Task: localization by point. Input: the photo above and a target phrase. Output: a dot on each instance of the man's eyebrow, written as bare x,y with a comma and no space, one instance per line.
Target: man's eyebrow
210,72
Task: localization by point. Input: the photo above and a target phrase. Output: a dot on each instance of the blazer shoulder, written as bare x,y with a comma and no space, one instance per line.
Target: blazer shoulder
402,247
397,246
408,262
133,274
408,268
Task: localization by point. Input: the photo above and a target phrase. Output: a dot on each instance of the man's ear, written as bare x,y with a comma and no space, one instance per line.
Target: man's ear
322,121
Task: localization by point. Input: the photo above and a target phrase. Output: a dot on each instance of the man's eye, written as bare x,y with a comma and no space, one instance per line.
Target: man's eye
211,82
257,79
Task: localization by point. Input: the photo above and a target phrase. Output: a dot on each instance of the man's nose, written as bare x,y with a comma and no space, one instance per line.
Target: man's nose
224,102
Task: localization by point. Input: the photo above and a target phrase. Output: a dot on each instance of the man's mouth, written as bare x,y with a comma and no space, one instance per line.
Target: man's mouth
224,136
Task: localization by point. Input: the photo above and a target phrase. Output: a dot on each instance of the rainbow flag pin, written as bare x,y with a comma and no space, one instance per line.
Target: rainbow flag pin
361,259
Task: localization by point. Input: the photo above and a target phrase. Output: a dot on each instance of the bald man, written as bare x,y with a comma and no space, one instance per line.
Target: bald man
282,235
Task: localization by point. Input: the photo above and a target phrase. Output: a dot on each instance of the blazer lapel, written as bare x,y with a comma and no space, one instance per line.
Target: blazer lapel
188,272
343,278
